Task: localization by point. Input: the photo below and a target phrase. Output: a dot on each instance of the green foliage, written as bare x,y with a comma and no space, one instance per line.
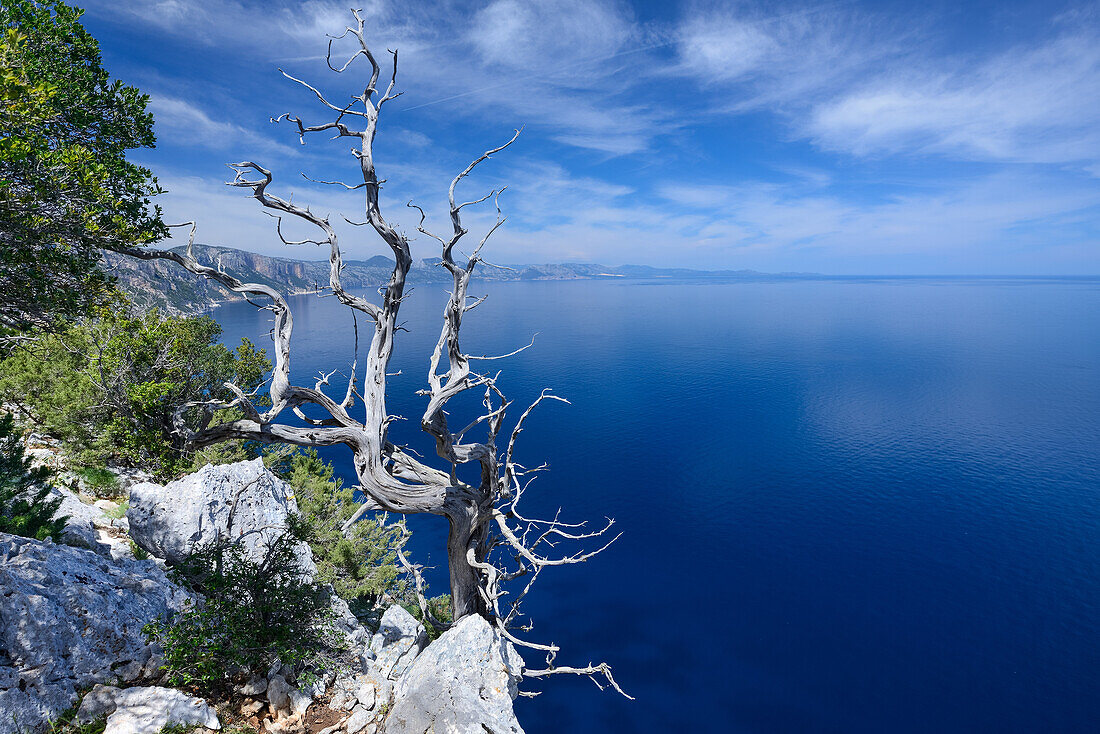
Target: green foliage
108,388
119,512
67,723
66,188
361,566
139,553
99,481
256,611
438,606
26,507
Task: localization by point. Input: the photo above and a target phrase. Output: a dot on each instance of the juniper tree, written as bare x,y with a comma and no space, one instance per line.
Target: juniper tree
66,188
26,505
491,542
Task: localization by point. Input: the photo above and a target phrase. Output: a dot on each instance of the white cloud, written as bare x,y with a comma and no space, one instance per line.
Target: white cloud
864,84
234,22
1040,103
985,225
551,65
533,36
184,123
955,222
780,61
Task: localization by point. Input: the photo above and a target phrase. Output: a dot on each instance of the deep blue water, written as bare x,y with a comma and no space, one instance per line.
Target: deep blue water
848,506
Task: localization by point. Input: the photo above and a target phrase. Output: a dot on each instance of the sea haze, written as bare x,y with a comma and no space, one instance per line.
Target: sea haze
847,506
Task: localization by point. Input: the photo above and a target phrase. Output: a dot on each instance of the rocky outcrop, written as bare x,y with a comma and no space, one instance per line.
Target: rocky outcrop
463,682
145,710
70,618
238,502
89,526
400,638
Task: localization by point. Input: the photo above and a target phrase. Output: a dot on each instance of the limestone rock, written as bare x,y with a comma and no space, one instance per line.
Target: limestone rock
299,701
148,710
400,638
367,694
256,685
233,501
80,527
251,708
358,720
278,693
98,703
106,506
464,682
70,618
343,692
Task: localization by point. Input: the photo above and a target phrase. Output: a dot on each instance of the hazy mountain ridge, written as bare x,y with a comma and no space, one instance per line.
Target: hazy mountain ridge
168,286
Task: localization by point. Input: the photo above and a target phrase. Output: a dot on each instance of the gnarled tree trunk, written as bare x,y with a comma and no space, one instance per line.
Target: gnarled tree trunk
489,542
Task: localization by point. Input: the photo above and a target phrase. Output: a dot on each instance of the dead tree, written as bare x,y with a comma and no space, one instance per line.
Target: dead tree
490,542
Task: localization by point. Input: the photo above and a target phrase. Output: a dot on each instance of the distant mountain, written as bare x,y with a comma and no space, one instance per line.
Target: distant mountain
170,287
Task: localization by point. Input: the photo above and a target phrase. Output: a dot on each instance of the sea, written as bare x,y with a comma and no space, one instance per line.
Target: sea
847,505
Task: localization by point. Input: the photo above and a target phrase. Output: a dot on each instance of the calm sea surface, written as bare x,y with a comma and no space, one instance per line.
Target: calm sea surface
847,506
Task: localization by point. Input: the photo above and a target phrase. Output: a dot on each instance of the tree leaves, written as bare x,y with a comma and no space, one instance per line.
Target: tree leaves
66,188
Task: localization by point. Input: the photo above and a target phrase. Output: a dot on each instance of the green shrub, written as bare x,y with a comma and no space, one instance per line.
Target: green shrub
362,565
100,482
67,723
26,505
139,553
256,611
119,512
438,606
108,387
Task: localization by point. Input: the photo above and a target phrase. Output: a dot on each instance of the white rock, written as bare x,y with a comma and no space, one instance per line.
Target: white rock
299,701
106,506
251,707
233,501
399,639
67,617
367,694
358,720
80,528
278,693
343,691
98,703
464,682
148,710
256,685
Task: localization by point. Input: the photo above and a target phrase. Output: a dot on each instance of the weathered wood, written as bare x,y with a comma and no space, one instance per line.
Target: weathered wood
489,542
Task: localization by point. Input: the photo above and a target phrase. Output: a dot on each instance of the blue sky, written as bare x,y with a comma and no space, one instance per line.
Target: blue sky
940,137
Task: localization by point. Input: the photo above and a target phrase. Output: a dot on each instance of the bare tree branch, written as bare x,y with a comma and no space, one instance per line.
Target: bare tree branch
490,543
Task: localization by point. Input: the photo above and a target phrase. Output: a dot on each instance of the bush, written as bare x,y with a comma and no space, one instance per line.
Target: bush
108,387
438,606
100,482
361,566
256,611
26,507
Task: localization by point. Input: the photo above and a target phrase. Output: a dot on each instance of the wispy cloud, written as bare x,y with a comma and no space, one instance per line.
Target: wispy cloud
1026,104
859,82
832,137
551,65
995,215
186,124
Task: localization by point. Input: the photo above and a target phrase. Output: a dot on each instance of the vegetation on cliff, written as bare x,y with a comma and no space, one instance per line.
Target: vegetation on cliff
26,507
66,188
108,387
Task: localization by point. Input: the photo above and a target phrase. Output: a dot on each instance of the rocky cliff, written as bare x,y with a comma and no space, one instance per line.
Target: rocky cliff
170,287
71,623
